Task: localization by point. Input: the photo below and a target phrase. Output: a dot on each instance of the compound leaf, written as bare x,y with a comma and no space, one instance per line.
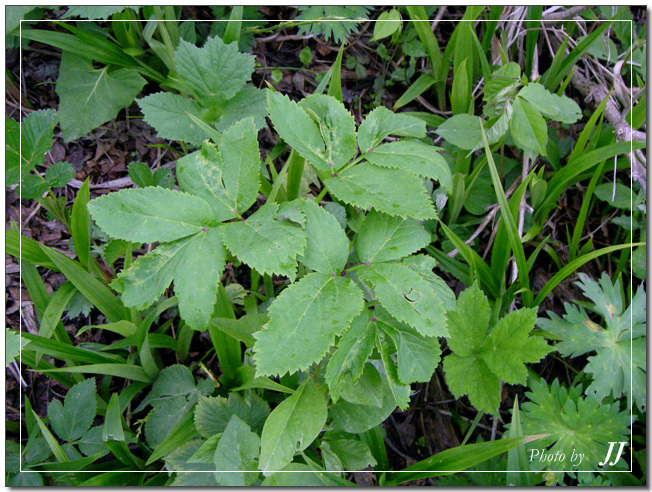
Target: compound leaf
384,237
304,321
292,427
147,215
72,419
392,191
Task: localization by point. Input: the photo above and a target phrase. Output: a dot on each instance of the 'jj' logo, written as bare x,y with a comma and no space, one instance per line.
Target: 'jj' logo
611,447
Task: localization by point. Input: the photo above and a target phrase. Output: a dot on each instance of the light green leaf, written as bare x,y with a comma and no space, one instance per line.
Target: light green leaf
292,427
95,12
354,454
465,375
213,414
147,215
337,128
383,237
353,350
623,195
237,449
90,97
415,157
424,265
266,242
417,356
72,419
298,129
59,174
462,130
407,297
249,102
367,390
168,114
528,128
328,247
382,122
469,322
386,25
558,108
391,191
304,321
13,345
197,275
214,73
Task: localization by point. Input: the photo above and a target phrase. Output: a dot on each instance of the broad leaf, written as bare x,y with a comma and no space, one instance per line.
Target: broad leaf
249,102
214,73
336,126
304,321
354,455
407,297
59,174
298,129
213,414
528,128
13,345
292,427
384,237
382,122
168,114
558,108
149,215
72,419
462,130
266,242
353,350
89,97
424,265
392,191
328,247
237,452
415,157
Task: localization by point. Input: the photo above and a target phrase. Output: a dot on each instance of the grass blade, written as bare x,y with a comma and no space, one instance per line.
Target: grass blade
422,25
54,311
418,87
125,371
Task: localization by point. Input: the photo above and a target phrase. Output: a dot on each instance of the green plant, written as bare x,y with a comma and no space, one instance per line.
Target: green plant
333,22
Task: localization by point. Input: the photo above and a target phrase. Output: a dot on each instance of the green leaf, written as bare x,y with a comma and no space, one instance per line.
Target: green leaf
528,128
142,176
415,157
59,174
328,247
237,452
298,129
336,126
57,305
94,12
90,97
391,191
407,297
304,321
168,114
558,108
199,267
622,198
417,356
249,102
73,419
148,215
13,345
126,371
214,73
266,242
481,357
354,454
424,265
12,152
353,350
386,24
462,130
385,238
32,187
382,122
292,427
213,414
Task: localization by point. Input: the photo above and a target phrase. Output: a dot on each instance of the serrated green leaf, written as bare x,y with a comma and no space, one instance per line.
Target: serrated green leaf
472,377
292,427
337,128
353,350
236,452
383,237
558,108
415,157
213,414
355,455
148,215
168,114
391,191
417,356
462,130
528,128
298,129
266,242
249,102
71,420
304,321
327,248
424,265
140,174
90,97
198,271
59,174
407,297
469,322
215,72
382,122
32,187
